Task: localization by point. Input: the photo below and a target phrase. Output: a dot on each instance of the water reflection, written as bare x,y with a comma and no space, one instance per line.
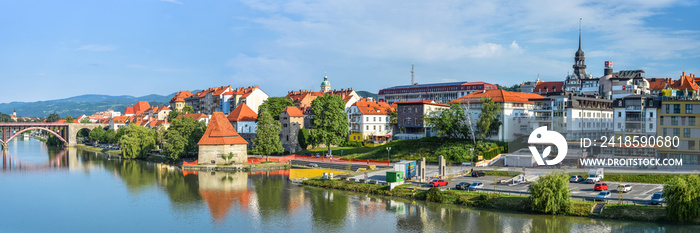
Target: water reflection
267,201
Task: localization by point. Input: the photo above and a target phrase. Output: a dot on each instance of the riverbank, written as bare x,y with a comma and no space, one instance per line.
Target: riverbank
93,149
495,201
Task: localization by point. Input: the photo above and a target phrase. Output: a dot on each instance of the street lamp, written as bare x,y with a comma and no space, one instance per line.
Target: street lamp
387,153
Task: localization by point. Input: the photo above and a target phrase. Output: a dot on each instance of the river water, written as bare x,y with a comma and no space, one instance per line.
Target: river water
50,190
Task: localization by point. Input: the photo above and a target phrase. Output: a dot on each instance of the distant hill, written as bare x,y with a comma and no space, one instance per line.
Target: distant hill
365,94
78,105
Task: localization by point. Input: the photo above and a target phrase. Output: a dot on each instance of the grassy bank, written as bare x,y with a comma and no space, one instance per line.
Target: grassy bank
453,149
651,178
93,149
494,201
40,139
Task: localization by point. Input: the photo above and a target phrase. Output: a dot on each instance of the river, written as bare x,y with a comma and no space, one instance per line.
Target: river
46,189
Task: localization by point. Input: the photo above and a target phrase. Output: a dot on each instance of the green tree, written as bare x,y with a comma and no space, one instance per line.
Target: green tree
53,117
137,142
69,119
172,115
175,144
183,130
550,194
97,134
187,109
85,120
109,136
682,195
267,139
276,105
330,121
451,122
304,137
488,120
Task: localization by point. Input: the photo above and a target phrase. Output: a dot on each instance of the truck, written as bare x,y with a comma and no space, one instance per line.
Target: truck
408,167
595,175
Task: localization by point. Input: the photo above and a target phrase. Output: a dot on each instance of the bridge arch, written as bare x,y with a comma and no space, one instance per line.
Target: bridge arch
34,128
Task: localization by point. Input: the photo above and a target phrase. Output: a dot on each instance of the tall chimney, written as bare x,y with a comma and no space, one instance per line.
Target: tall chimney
608,68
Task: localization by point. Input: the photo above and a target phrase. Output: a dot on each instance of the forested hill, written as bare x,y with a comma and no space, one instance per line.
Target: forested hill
84,104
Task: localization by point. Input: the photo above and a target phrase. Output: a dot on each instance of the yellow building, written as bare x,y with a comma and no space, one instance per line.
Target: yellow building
678,118
355,137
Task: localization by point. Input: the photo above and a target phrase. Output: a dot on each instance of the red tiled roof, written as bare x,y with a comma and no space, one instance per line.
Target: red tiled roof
498,96
545,87
141,107
242,113
194,116
129,110
64,121
686,82
180,96
220,132
120,119
293,112
659,83
373,108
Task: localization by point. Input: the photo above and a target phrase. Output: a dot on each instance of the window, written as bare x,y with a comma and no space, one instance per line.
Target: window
691,121
667,108
651,114
676,108
651,126
686,133
285,125
374,119
674,120
664,133
366,119
287,137
661,120
676,132
619,125
619,114
374,127
691,145
367,127
688,108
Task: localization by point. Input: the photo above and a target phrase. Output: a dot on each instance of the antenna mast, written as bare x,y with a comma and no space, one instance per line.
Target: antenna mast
412,78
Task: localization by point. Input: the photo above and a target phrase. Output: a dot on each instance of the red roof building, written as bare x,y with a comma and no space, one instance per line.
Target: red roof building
498,96
242,113
293,112
221,138
547,88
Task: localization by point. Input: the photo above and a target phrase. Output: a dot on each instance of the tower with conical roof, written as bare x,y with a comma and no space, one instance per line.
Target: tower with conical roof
579,58
325,85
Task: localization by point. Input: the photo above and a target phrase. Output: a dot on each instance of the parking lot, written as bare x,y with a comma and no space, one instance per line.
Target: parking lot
640,191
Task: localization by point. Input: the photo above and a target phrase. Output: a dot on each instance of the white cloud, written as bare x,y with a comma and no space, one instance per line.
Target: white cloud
172,1
97,48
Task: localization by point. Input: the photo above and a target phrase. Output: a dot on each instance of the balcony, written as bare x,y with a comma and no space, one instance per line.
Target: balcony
634,119
542,108
633,108
634,130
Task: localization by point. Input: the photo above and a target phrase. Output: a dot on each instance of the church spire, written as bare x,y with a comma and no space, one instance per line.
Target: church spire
579,58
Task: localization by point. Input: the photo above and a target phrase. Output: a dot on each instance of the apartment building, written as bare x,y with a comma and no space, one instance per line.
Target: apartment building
441,93
410,121
516,109
678,118
634,115
573,116
370,121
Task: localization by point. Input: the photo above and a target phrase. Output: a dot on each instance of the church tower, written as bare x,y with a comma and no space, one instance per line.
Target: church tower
325,85
579,58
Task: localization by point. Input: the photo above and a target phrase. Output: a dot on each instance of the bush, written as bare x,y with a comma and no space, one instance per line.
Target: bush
352,144
683,198
434,195
551,194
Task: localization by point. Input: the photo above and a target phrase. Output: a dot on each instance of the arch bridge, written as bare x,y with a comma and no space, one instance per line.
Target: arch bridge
65,132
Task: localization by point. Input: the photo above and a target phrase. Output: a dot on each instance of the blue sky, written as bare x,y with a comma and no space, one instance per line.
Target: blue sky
57,49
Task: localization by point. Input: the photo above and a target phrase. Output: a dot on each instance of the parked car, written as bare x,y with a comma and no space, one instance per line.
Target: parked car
313,165
462,186
657,198
575,179
600,187
476,185
438,183
592,179
478,173
624,188
602,195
